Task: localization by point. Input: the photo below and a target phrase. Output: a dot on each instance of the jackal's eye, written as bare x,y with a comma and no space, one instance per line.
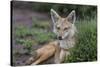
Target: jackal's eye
58,28
66,28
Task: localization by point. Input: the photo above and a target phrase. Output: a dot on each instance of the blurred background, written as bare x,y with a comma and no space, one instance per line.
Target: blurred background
32,28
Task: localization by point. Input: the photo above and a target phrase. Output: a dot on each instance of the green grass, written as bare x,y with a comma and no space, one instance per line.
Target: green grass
39,32
22,31
86,47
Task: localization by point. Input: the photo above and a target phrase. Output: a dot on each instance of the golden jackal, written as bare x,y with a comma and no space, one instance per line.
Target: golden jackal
65,30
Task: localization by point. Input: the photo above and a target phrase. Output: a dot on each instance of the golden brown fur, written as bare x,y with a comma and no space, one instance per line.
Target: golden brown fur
44,53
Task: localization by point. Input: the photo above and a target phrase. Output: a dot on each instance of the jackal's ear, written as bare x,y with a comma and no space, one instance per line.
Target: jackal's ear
72,17
54,16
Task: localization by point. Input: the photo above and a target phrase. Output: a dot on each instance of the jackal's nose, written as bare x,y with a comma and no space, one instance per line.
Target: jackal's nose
60,38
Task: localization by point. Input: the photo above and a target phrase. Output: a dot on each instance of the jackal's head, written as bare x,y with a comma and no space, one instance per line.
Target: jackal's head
62,27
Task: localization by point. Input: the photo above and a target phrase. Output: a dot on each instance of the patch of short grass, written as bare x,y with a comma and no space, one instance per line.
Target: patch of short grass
39,32
22,31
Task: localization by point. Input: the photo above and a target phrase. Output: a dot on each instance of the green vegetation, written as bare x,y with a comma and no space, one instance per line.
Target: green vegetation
81,10
30,37
86,47
39,34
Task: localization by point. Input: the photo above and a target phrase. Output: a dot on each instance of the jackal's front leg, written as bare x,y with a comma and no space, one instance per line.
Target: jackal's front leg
64,54
60,56
57,55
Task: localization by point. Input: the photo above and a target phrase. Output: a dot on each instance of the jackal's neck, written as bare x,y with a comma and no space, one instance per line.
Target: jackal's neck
67,43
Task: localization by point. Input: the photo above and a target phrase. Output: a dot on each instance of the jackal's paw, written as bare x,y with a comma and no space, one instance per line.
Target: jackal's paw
29,61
